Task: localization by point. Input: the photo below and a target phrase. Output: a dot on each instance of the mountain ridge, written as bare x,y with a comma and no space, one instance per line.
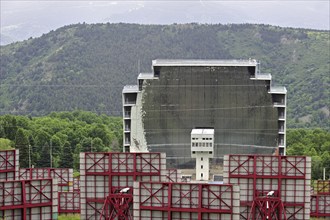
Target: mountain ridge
85,66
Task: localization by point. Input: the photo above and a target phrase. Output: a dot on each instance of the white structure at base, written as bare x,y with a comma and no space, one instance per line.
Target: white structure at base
202,148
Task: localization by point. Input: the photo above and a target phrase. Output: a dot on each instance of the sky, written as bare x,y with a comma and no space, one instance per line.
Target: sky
23,19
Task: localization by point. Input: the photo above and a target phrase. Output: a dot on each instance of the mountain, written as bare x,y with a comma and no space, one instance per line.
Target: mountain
85,66
23,19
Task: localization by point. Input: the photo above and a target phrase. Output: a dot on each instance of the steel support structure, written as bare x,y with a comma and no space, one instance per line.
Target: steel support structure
268,208
104,175
9,164
118,206
322,187
159,200
76,183
172,175
28,199
69,202
280,182
64,176
320,206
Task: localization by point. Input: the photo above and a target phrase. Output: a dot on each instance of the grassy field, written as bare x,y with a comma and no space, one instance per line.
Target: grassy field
77,217
69,217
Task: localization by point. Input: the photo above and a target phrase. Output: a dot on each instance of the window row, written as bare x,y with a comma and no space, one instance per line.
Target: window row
202,138
199,144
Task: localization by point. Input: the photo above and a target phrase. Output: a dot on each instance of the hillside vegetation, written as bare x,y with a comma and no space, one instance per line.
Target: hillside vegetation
62,134
85,66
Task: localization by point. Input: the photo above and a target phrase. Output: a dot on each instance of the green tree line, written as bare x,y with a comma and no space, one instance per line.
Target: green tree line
57,139
66,134
314,143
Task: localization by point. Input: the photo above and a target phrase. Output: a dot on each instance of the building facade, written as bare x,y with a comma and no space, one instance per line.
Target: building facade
232,97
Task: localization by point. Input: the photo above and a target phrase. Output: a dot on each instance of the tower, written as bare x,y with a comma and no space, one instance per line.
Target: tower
202,148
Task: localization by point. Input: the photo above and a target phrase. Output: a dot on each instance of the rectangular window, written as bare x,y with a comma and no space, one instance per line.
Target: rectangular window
201,166
201,174
201,158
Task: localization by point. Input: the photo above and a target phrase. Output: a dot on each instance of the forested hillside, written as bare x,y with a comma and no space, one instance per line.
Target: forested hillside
86,66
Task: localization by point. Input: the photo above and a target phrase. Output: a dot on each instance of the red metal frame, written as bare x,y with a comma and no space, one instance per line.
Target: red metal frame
322,187
64,176
103,175
27,199
172,175
320,206
118,206
185,200
258,175
69,202
76,183
8,164
268,208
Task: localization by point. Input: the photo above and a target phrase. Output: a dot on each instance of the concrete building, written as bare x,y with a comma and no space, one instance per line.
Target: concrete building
202,148
233,97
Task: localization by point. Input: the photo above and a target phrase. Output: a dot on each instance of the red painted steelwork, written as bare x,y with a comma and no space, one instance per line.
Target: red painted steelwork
320,206
117,206
258,175
322,187
63,176
267,208
27,199
8,164
76,184
103,175
69,202
159,200
172,175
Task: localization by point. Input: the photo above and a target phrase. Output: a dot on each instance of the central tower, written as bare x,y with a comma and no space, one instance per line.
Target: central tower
202,148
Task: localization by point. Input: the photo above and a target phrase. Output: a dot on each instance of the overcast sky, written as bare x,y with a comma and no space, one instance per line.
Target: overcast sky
24,19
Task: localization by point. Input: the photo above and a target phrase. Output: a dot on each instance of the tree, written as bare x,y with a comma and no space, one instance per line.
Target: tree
316,167
97,145
8,123
76,156
326,163
67,157
86,145
296,149
22,144
44,160
6,144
